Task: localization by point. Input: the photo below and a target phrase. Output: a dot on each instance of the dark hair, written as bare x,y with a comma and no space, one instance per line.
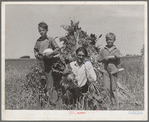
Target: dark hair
43,25
83,49
110,35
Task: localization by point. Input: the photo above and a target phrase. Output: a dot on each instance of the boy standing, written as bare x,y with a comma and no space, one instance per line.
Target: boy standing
110,58
45,61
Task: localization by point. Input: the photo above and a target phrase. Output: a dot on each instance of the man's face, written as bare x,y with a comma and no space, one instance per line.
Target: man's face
42,31
80,57
110,42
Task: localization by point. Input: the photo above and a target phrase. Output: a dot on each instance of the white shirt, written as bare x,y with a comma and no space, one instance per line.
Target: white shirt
83,72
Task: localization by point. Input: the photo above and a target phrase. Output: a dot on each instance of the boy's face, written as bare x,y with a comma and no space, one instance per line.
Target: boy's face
110,42
42,31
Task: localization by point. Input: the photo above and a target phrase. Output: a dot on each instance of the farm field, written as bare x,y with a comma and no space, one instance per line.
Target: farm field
16,70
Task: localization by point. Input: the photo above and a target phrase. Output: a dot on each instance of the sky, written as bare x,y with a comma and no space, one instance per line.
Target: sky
21,25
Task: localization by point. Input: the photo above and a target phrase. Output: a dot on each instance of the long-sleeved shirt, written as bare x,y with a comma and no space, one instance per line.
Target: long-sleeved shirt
42,44
113,51
109,83
83,72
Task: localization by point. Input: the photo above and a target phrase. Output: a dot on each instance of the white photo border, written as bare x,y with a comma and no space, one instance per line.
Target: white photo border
37,115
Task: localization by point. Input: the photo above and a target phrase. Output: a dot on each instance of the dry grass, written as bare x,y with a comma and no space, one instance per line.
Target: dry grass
132,77
15,72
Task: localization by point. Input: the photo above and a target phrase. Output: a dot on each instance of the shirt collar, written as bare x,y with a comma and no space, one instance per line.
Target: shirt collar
77,65
110,49
42,38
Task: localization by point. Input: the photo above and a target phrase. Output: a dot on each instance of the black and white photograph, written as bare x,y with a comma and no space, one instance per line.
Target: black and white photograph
74,60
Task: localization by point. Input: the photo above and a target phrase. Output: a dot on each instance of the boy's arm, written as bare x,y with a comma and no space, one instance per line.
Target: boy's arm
55,47
115,57
100,57
118,55
36,51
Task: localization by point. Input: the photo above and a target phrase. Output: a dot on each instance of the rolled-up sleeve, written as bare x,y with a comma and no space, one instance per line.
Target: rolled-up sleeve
36,51
117,54
100,57
54,44
90,71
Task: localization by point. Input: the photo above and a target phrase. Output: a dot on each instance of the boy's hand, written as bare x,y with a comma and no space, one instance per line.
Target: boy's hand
117,55
39,56
107,58
36,55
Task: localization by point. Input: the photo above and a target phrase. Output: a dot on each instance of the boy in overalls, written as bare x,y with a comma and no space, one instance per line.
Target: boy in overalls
110,58
46,61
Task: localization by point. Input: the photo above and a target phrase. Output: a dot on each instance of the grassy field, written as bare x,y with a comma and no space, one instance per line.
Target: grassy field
16,70
15,77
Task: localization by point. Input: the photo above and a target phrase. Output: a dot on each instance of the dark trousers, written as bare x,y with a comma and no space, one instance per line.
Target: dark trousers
76,92
84,88
48,73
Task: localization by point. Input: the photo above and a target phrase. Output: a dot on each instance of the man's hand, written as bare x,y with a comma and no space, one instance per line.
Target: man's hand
90,79
66,86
